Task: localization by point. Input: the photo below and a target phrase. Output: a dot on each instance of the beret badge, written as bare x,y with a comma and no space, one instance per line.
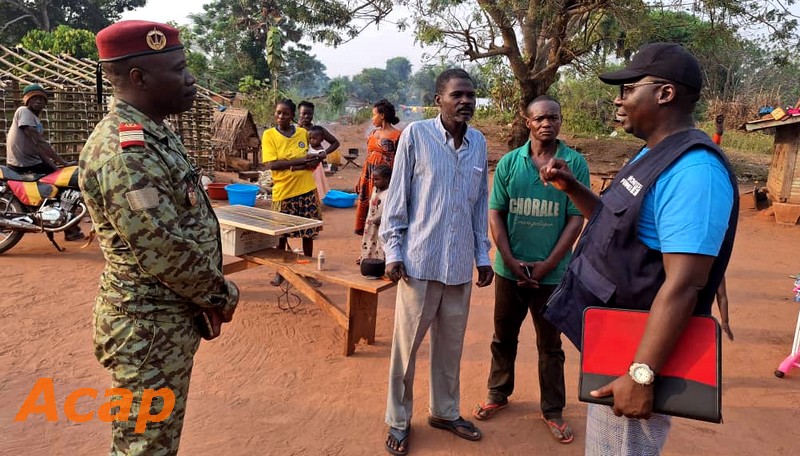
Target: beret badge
156,39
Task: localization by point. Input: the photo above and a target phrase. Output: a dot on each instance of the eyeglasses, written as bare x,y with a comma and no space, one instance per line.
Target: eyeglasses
627,88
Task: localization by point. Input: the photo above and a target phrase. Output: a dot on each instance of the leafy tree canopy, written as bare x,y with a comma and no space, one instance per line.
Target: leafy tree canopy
17,17
64,39
538,37
234,34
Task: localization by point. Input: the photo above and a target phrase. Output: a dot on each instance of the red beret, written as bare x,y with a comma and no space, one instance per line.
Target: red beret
127,39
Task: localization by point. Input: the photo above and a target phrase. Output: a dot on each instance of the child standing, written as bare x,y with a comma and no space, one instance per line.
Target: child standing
316,135
371,243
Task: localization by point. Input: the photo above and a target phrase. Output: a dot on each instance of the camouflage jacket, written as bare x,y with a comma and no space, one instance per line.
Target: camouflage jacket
154,222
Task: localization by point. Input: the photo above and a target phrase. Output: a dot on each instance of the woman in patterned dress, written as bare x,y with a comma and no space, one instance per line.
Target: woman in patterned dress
381,145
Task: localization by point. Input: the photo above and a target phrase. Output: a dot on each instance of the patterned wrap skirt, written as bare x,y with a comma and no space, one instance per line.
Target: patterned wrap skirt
306,205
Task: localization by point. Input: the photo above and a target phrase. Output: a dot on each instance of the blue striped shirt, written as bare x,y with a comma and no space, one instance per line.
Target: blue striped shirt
436,215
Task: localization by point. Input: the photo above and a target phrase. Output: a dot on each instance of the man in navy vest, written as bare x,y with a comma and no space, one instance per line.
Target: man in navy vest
658,239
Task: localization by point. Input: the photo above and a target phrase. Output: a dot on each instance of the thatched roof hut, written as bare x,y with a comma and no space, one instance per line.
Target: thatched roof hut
72,111
235,140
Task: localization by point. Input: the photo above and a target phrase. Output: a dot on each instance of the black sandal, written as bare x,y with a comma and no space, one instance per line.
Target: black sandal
401,437
455,426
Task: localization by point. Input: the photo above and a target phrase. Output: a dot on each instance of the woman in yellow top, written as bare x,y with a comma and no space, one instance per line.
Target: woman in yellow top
284,151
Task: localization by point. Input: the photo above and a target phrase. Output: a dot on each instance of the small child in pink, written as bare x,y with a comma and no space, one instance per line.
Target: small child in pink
316,135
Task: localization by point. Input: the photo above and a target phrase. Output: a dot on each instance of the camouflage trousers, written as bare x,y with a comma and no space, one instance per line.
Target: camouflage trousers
146,354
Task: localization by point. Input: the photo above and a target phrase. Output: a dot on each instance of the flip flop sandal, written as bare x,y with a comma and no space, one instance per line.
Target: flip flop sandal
277,280
455,426
558,431
401,436
484,411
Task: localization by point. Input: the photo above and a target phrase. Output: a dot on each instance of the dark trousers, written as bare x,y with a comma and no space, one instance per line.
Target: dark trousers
39,168
511,306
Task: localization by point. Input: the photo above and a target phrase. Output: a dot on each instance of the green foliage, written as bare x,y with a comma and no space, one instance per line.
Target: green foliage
362,115
195,60
536,42
240,36
500,84
275,58
261,101
304,74
62,40
494,116
338,91
18,17
422,85
399,68
250,85
756,143
390,82
587,104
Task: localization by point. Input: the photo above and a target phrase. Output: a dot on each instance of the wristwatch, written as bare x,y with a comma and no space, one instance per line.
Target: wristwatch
641,373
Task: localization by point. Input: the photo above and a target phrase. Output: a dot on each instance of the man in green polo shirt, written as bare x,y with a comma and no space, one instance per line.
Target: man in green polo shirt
534,227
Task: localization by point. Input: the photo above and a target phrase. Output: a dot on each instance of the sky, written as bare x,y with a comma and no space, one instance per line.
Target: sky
371,49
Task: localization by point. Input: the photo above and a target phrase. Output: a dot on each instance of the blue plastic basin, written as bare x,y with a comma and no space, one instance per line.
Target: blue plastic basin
336,198
242,194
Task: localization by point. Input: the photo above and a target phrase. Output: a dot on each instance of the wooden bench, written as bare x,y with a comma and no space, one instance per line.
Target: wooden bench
358,319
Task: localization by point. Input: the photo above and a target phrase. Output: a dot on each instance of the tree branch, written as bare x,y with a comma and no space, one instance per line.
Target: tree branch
7,24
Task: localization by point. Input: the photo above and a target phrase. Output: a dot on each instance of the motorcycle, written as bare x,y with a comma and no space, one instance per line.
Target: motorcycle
31,203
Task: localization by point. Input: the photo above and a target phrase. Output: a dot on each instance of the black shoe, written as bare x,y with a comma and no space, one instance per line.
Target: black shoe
74,236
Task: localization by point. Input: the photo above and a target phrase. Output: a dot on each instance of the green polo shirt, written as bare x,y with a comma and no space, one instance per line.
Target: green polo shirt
535,214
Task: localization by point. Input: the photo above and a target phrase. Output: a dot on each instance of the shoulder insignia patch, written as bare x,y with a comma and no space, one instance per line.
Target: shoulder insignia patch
139,200
131,134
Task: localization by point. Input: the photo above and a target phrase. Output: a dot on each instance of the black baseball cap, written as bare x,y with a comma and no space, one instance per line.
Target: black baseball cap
664,60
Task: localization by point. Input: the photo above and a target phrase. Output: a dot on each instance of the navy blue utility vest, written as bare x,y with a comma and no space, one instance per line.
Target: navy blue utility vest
611,267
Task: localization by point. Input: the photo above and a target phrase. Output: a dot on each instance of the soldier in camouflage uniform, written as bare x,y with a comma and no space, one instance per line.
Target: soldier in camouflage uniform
157,231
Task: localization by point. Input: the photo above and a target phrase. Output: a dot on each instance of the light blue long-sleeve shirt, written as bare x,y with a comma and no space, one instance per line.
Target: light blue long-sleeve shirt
436,216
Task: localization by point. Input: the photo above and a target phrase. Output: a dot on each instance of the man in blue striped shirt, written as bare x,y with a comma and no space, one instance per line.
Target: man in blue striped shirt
434,228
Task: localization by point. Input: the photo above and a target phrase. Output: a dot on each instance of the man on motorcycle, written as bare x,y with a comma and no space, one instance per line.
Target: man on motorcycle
27,150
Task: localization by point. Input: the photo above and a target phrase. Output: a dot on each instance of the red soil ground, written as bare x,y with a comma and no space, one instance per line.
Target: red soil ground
275,383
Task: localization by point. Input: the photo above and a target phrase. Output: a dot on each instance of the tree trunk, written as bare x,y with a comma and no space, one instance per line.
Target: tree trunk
530,89
45,22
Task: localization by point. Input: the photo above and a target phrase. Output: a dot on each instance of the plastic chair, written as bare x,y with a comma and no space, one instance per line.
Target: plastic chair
350,158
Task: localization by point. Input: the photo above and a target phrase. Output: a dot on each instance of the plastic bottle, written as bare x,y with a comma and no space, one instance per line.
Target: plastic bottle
321,261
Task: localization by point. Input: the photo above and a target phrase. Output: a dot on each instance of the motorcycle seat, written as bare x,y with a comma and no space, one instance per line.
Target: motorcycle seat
7,173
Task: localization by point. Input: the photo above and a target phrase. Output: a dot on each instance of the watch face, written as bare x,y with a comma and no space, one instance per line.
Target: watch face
642,375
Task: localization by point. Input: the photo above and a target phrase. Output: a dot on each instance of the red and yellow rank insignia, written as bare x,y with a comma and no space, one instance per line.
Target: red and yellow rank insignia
131,134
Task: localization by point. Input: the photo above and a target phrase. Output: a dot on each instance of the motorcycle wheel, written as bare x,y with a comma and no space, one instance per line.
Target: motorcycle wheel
8,237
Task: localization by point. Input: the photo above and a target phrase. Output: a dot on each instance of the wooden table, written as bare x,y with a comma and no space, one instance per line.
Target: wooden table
358,318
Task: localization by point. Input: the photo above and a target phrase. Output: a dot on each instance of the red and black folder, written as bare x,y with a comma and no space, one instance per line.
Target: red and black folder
689,385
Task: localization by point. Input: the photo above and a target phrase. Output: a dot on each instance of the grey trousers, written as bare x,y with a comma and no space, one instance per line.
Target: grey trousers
423,304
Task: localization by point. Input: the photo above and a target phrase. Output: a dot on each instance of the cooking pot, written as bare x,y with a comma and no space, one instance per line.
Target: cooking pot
373,267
